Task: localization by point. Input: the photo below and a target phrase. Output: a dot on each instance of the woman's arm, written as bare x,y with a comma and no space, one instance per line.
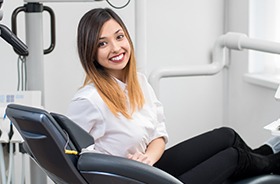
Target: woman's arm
153,152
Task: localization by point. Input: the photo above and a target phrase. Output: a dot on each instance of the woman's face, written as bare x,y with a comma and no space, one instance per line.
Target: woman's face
113,51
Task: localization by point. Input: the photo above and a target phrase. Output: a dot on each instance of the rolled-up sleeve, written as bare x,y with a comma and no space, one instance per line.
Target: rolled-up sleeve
160,128
157,107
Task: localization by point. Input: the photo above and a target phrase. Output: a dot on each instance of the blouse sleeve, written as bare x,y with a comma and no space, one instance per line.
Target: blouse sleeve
86,115
150,96
160,128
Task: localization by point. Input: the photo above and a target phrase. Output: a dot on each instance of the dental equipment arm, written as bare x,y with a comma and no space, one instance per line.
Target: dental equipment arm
231,40
13,40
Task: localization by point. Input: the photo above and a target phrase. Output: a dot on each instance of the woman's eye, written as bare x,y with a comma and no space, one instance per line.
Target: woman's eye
101,44
119,37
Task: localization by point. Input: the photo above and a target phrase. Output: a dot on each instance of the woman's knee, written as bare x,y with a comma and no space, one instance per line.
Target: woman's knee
227,130
227,133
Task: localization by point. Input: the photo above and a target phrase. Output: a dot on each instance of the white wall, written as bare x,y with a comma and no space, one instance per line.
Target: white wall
250,107
182,33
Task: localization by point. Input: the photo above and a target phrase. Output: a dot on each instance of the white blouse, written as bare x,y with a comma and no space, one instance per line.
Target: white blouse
113,135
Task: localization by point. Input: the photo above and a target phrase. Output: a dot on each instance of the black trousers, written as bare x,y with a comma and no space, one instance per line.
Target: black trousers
212,157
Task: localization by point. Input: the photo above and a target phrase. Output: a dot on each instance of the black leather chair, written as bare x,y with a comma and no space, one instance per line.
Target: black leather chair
47,136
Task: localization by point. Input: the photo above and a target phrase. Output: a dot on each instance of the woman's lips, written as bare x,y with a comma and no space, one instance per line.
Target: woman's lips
118,58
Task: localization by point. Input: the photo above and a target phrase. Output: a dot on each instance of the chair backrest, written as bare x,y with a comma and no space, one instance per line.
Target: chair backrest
45,141
79,137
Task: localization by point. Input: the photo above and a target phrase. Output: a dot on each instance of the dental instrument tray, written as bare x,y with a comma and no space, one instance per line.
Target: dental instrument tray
274,127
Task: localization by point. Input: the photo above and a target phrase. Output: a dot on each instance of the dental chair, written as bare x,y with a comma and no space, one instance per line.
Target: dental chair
54,142
47,136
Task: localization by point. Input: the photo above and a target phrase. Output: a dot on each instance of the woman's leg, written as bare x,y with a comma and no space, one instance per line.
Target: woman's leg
215,170
252,164
192,152
262,150
215,156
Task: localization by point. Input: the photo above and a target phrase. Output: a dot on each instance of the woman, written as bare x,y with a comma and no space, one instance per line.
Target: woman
118,107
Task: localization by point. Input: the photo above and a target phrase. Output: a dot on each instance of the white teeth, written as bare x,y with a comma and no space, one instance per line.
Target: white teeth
118,58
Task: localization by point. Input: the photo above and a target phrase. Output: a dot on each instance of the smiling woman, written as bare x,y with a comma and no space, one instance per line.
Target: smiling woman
118,107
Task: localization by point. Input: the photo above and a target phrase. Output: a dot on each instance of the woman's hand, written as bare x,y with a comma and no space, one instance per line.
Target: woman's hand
153,152
140,157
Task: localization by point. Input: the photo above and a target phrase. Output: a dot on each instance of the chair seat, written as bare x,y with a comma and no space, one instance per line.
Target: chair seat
131,171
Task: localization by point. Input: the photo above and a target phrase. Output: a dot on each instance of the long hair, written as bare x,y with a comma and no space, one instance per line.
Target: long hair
87,42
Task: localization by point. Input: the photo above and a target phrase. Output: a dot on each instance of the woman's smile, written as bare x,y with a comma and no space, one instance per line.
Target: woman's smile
118,58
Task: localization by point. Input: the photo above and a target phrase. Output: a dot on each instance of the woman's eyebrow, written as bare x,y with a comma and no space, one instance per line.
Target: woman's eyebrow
118,31
101,38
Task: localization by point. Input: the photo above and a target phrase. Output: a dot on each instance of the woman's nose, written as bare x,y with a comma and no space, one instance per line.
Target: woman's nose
115,46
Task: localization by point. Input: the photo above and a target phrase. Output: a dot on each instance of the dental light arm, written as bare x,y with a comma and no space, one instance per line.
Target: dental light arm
13,40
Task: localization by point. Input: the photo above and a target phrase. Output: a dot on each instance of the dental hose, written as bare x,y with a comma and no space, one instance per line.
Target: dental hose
11,160
2,164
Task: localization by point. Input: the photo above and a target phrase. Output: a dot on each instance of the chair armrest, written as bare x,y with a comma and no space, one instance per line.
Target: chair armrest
89,163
